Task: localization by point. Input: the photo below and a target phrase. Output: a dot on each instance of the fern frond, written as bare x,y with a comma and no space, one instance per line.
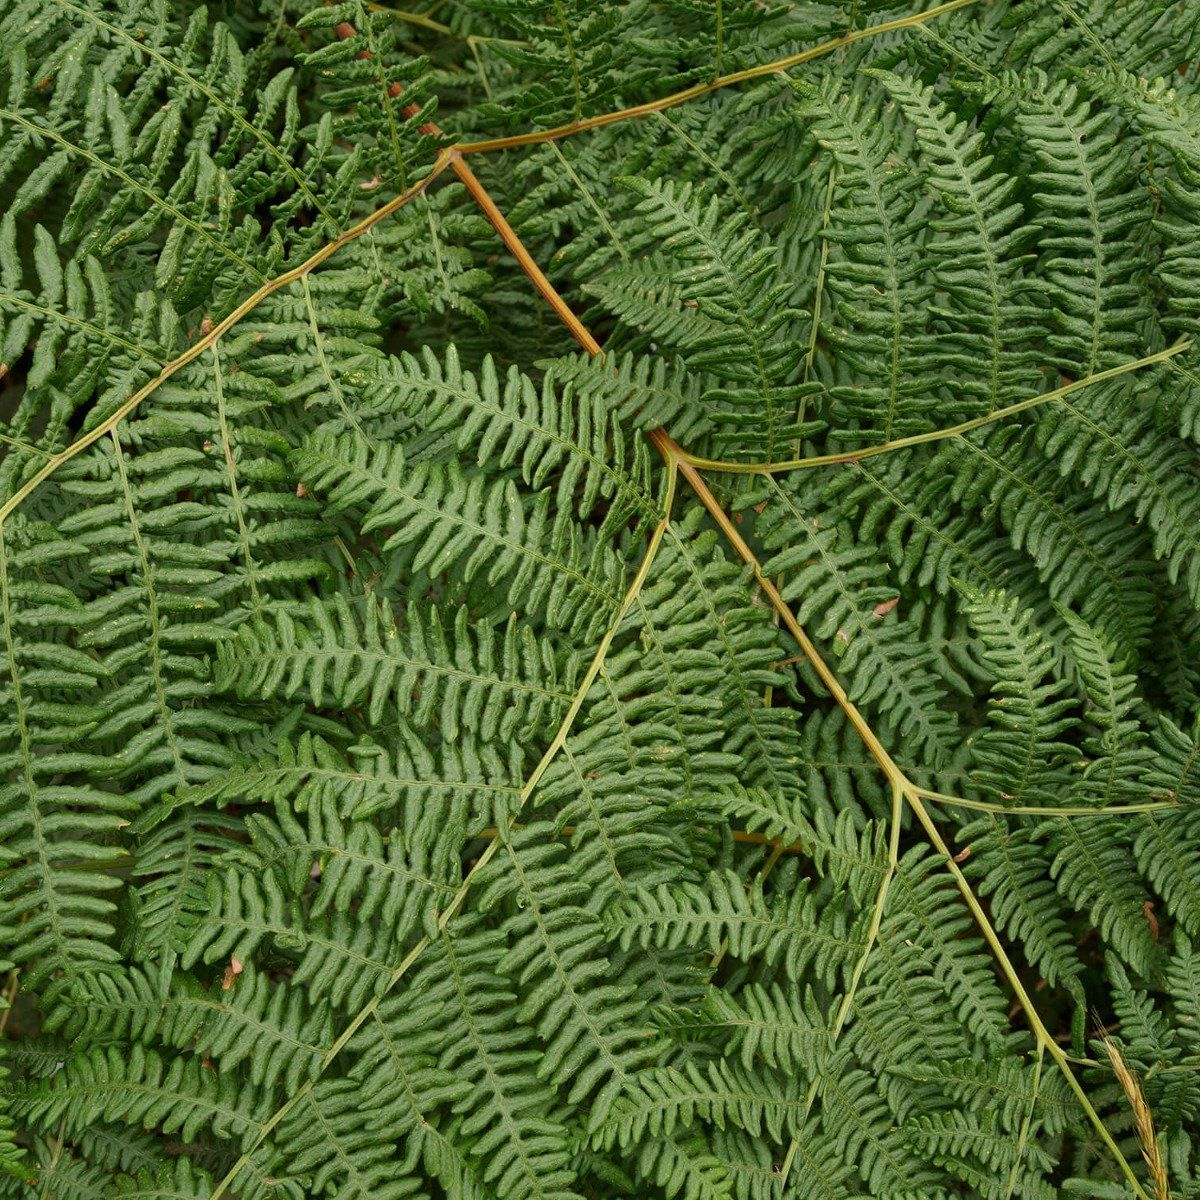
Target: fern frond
721,314
721,907
430,767
138,1087
547,561
427,669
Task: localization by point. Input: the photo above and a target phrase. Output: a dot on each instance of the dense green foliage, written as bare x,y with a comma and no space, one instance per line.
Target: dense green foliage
412,785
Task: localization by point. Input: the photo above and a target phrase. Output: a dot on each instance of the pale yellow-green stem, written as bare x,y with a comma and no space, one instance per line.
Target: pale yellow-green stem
1039,1030
933,435
704,89
454,906
218,331
903,786
450,156
860,966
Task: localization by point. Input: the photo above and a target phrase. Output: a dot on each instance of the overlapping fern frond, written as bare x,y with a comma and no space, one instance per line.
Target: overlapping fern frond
742,760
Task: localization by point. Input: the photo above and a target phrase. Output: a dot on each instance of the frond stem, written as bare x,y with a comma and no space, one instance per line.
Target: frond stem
703,89
1040,1032
860,966
672,452
933,435
900,784
1043,810
456,902
499,222
222,327
516,248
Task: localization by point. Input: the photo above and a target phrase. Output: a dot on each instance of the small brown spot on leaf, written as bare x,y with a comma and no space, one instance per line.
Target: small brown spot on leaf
232,971
885,606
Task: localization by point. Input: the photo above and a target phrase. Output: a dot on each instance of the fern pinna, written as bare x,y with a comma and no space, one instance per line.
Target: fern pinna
600,600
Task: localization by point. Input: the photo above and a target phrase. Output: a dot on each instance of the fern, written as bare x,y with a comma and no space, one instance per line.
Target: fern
599,600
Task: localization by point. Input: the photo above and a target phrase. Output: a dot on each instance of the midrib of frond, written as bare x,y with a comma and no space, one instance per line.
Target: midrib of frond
962,172
264,1029
848,1108
697,148
765,924
721,1099
1132,923
673,692
1065,523
869,170
483,1056
239,510
816,1173
83,326
601,831
1186,529
331,382
621,481
600,826
388,98
342,1155
424,1124
997,1147
1167,849
397,496
956,547
309,935
105,1091
751,701
1030,671
328,847
123,1008
63,956
182,867
1110,705
1100,268
1040,946
166,714
569,42
951,962
899,687
387,781
566,985
897,973
159,202
735,290
790,1030
424,666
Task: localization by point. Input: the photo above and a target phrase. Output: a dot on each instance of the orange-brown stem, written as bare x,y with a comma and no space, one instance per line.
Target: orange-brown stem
704,89
499,222
509,237
672,452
